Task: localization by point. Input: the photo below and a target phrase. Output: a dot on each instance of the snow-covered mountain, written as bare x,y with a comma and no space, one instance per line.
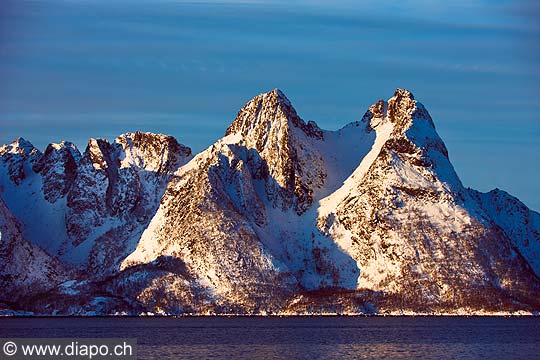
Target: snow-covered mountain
87,210
26,270
277,216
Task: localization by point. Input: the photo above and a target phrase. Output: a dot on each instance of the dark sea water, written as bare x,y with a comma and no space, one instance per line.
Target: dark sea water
302,337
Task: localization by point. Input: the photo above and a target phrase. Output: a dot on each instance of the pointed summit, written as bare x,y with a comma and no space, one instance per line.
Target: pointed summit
403,93
268,110
23,144
399,110
19,146
153,152
58,167
20,156
278,95
291,163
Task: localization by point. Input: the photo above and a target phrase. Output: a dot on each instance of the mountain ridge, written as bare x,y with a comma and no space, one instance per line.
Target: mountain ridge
278,216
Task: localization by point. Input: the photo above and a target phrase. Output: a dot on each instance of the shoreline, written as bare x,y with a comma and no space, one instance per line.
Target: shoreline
300,315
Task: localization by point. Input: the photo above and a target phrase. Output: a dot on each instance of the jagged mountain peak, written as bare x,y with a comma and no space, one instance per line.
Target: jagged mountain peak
406,188
19,156
138,137
403,93
154,152
275,207
147,145
23,144
270,110
278,95
403,110
63,147
119,181
19,146
98,151
406,123
95,144
290,163
58,167
62,144
400,110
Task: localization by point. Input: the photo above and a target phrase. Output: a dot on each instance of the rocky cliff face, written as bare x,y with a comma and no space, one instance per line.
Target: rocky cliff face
89,210
17,157
25,270
277,216
286,160
414,230
58,167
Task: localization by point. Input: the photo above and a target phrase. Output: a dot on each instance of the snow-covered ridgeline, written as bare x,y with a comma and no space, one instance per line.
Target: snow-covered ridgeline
277,216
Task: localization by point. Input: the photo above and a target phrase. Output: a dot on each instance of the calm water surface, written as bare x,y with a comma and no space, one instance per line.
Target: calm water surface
302,337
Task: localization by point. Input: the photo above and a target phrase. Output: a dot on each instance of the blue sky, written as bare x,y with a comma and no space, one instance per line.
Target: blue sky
78,69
